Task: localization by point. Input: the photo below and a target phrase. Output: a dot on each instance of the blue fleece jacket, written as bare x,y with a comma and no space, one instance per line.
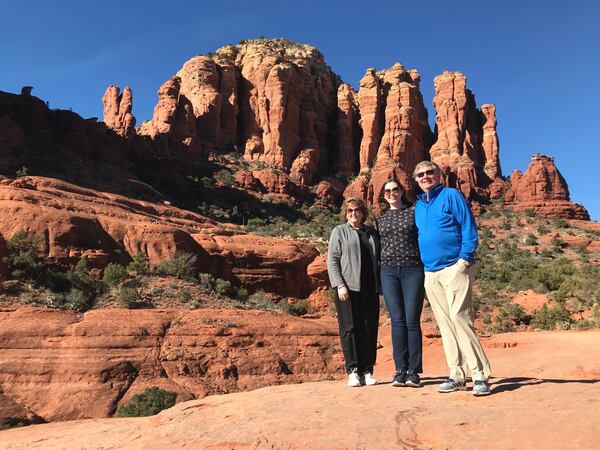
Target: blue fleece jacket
447,228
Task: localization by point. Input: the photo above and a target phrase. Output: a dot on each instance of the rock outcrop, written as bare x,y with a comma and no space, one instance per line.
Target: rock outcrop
117,110
273,99
58,365
173,123
72,219
543,189
467,145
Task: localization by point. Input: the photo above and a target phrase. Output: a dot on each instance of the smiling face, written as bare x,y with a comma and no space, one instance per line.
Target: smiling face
354,215
392,194
428,178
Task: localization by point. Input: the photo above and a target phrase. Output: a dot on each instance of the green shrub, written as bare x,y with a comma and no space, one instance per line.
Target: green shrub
181,265
224,177
139,265
114,274
297,308
185,296
82,268
24,259
552,318
531,239
152,401
553,273
560,223
224,287
509,317
242,294
129,297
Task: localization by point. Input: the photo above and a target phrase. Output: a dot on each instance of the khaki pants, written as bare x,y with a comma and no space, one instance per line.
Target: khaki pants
449,293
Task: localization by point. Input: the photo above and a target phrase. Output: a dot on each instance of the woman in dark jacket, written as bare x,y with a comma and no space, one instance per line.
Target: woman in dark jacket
402,279
352,264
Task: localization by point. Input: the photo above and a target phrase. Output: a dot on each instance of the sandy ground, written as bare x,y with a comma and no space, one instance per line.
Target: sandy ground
546,395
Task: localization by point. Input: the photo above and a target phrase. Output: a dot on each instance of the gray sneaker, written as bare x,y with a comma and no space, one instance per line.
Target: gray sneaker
481,388
399,379
450,386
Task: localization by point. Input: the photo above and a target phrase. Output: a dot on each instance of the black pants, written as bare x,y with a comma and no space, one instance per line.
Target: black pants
358,318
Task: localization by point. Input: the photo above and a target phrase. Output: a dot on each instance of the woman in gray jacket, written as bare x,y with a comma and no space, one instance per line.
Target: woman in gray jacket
353,266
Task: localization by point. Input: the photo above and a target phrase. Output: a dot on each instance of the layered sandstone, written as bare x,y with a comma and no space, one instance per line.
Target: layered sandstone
117,110
543,189
72,219
467,144
59,365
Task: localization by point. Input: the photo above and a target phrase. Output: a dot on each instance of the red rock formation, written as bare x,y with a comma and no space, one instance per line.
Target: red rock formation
117,110
405,127
200,80
347,124
71,219
491,147
60,365
330,191
464,143
173,124
543,189
369,101
304,167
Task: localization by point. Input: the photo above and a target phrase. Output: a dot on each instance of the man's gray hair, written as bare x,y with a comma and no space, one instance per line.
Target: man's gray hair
423,164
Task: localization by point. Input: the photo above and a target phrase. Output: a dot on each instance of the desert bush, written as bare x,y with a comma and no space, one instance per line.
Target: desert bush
552,318
184,295
531,239
560,223
114,274
553,273
510,317
139,265
262,300
296,308
24,259
181,265
152,401
129,297
485,233
224,177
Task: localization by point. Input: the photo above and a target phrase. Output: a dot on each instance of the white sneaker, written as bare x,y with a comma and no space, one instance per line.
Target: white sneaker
353,379
368,379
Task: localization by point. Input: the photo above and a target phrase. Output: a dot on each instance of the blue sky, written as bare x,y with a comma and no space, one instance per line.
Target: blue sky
537,61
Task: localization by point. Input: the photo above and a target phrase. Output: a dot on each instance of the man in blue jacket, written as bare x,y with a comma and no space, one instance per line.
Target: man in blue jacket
447,241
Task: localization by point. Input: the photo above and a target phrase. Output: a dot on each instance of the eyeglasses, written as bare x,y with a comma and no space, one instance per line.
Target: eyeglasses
391,191
427,172
353,210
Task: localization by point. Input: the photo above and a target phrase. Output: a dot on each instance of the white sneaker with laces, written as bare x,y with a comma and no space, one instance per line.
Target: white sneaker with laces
353,379
368,379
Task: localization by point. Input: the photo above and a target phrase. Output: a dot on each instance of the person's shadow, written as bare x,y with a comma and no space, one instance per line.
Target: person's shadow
508,384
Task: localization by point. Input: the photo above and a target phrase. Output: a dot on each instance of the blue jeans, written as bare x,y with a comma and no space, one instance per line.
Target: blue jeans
403,291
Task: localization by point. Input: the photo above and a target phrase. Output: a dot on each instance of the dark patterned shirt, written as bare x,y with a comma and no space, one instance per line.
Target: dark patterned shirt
399,238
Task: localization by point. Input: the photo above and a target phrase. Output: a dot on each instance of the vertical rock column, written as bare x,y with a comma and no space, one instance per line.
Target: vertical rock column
117,110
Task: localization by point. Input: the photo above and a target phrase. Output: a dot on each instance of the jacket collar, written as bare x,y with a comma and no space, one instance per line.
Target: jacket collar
432,193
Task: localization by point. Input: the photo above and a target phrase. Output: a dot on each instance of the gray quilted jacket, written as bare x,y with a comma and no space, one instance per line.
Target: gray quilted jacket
343,258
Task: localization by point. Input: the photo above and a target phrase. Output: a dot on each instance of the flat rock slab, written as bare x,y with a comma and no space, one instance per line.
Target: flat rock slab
545,395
